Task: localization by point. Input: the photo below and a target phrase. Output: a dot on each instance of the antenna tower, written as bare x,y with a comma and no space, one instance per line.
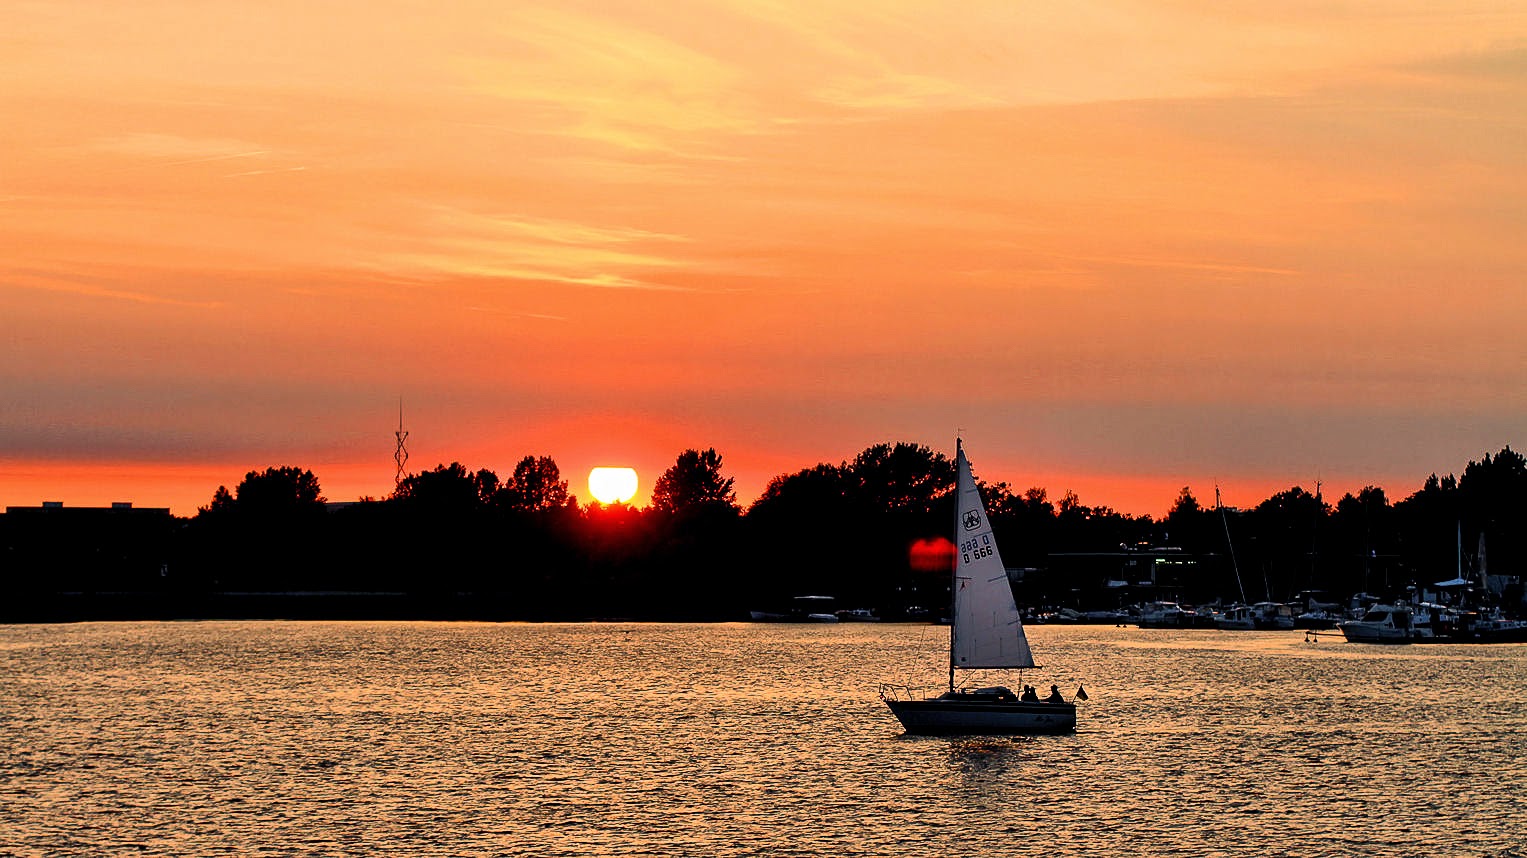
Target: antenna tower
401,455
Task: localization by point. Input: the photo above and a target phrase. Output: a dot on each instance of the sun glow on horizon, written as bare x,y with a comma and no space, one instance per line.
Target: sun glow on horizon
612,485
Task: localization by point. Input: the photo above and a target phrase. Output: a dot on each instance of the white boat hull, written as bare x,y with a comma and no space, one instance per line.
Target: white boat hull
943,716
1387,624
1361,632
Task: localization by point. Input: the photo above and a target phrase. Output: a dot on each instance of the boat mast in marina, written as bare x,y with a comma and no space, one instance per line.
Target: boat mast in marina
1229,543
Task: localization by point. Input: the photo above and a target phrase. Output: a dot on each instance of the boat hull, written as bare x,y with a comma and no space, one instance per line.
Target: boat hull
940,716
1511,634
1374,633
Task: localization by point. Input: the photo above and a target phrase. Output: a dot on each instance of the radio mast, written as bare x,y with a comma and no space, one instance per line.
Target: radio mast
401,455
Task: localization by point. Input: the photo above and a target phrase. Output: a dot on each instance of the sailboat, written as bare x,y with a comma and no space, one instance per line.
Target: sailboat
985,632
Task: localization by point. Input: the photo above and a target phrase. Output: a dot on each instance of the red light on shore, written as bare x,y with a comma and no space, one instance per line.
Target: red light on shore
931,555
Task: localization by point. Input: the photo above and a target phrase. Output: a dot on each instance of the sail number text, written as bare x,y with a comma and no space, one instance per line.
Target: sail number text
975,549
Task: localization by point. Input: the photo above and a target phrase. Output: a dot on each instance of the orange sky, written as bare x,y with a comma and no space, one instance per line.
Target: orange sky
1122,246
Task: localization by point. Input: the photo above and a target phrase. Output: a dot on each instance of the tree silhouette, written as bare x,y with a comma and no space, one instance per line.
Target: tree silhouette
793,529
1191,527
1428,524
693,481
813,491
273,490
1284,532
263,535
447,487
1185,505
536,485
463,544
1493,501
902,477
222,502
1363,542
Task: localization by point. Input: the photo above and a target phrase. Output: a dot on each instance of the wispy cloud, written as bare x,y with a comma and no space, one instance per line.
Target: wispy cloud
601,79
1204,265
518,314
542,249
265,172
176,150
564,232
64,283
254,154
894,91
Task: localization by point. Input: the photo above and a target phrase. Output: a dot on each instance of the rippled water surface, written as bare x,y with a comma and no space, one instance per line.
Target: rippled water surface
614,739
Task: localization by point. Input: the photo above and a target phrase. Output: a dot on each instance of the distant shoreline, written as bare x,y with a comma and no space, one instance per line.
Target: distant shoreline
125,606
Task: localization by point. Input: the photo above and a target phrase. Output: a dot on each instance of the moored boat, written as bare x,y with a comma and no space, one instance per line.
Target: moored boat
1236,618
1164,615
803,609
1388,624
1272,616
1459,625
1492,627
1312,611
1318,619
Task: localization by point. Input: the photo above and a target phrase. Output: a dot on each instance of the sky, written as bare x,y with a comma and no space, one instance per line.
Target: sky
1119,247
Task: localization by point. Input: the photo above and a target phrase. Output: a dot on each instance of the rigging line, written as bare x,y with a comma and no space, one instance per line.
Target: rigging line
1229,543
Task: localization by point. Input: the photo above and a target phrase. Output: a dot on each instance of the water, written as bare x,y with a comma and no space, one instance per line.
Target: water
613,739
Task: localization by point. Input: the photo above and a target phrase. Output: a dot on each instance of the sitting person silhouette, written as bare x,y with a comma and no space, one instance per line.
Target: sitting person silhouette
1055,695
1030,694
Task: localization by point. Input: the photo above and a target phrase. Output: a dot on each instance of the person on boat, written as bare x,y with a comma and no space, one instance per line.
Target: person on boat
1029,694
1055,695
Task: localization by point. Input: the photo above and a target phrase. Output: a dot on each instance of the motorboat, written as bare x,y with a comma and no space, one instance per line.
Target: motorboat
1481,626
1273,616
1236,618
1164,615
1262,616
803,609
1392,624
1317,618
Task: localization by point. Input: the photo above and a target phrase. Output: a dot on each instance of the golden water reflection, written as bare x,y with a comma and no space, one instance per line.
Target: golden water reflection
733,739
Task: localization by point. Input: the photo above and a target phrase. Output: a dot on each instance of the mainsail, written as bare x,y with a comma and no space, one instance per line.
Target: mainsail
986,629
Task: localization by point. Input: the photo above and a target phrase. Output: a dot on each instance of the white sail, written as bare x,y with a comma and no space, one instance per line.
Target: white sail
986,629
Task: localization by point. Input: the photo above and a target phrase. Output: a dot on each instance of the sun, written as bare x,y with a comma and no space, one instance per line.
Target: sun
612,485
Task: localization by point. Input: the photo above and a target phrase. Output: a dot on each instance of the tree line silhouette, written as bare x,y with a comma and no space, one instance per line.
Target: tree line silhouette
871,531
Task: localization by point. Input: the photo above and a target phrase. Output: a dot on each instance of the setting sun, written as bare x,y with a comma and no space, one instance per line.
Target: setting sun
612,485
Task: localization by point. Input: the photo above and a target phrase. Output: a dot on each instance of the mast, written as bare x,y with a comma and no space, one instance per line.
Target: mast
954,559
1315,538
1229,544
